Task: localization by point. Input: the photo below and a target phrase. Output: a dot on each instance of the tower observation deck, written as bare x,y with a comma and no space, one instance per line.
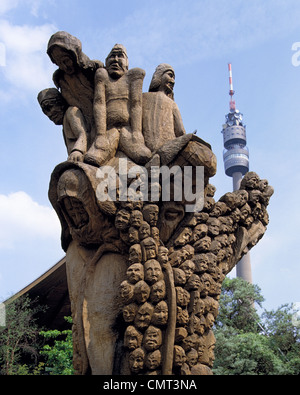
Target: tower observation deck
235,154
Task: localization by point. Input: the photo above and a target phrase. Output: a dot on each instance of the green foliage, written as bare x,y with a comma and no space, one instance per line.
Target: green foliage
20,335
59,355
248,344
237,305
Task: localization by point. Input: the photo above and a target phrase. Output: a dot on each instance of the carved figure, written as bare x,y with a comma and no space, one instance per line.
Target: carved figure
161,117
75,76
118,110
74,128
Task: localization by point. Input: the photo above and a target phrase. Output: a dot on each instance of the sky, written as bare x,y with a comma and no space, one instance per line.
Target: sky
261,38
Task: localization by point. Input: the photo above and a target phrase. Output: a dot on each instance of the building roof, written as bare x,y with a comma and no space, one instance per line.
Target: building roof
51,288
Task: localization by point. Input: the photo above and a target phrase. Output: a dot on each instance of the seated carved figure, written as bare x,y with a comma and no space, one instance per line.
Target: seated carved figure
118,111
161,117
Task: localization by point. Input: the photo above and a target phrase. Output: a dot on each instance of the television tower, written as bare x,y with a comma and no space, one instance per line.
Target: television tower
236,161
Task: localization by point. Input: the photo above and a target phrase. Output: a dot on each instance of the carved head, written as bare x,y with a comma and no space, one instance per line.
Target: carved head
141,292
250,180
135,273
163,80
136,360
150,213
153,272
153,360
160,314
116,62
53,105
132,338
65,51
152,338
158,291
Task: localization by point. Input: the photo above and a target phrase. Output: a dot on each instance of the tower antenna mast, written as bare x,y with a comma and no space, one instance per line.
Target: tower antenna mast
231,91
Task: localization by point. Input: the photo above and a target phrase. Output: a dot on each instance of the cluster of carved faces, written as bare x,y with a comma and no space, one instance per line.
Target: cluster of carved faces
199,256
143,292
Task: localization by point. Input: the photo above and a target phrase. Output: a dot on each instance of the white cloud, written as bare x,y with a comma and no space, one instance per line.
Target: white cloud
27,65
23,219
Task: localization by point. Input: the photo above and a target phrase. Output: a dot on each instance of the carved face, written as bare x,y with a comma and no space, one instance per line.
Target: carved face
132,338
133,235
179,356
213,226
197,305
144,230
182,316
199,232
141,292
135,273
116,63
179,276
251,181
160,314
153,360
194,282
192,357
129,312
188,267
152,338
54,108
149,248
143,316
158,291
167,82
155,234
122,219
162,256
64,60
136,218
150,213
135,254
201,263
126,291
171,215
184,237
203,244
76,212
242,197
136,360
153,272
182,296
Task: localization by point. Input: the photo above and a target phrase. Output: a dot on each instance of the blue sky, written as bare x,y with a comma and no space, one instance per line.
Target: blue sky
198,38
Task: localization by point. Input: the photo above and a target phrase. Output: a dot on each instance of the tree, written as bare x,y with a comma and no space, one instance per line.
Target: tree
237,305
284,336
20,335
249,344
59,356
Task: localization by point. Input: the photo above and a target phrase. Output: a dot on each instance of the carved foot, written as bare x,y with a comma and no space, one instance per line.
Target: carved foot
134,147
103,149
